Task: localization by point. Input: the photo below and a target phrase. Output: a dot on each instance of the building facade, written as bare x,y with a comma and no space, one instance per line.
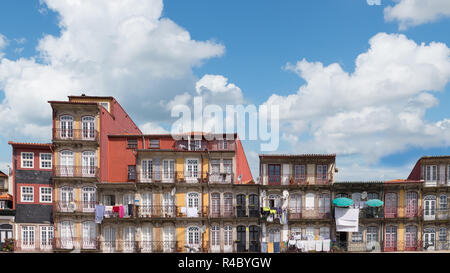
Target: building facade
7,214
33,196
104,186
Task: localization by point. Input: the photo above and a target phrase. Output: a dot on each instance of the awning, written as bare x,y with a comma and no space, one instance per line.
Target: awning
343,202
6,196
374,203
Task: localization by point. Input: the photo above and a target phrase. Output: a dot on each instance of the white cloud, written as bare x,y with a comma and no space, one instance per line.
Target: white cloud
373,2
3,43
215,89
416,12
119,48
152,128
377,110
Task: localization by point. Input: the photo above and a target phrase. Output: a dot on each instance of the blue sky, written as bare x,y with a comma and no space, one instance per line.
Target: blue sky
259,38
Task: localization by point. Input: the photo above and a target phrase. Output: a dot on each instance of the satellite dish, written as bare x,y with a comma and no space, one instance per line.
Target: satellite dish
173,192
240,178
72,205
364,195
203,228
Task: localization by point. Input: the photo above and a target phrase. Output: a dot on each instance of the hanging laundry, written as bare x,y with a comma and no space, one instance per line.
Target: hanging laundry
319,244
264,247
125,211
108,211
276,247
120,211
130,210
115,209
326,245
99,213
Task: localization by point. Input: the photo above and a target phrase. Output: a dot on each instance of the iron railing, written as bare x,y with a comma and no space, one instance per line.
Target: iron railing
75,134
75,171
74,206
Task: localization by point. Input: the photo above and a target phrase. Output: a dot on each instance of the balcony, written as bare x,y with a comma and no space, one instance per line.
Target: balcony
75,171
220,178
74,134
203,145
442,214
156,211
66,244
32,246
308,213
371,213
317,179
402,212
222,213
413,245
131,246
168,177
192,212
74,206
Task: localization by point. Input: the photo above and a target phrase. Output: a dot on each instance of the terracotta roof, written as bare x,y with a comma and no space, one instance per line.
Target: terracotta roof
297,155
72,102
358,182
30,144
90,97
2,174
402,181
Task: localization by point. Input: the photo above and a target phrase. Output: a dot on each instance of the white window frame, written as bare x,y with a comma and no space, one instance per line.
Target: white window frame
102,103
357,237
41,195
430,173
22,160
22,194
45,161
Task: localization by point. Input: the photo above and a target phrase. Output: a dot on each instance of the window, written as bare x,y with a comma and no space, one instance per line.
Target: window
88,198
46,236
109,200
27,237
372,195
341,195
324,203
300,172
274,201
372,234
45,161
192,168
228,236
88,163
443,202
45,195
357,237
358,203
154,143
66,126
27,194
27,160
228,204
324,233
132,143
169,169
215,204
431,173
274,235
443,235
105,105
228,166
310,233
147,169
88,127
215,166
322,172
295,204
223,144
193,236
309,201
131,172
215,236
296,233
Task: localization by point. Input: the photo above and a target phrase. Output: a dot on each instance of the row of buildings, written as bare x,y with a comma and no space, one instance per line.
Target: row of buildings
104,186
